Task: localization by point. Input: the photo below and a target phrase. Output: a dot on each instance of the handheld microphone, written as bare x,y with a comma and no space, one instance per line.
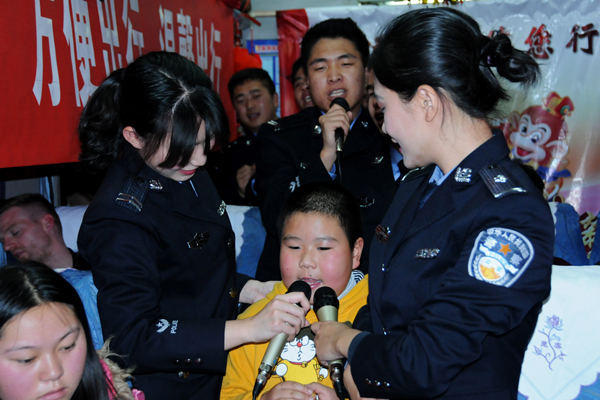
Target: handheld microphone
276,345
326,305
339,132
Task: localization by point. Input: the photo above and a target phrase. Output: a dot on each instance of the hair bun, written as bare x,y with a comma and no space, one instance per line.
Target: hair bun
497,50
512,64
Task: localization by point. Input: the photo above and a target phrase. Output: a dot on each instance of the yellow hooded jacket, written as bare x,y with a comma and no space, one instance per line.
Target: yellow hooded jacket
298,361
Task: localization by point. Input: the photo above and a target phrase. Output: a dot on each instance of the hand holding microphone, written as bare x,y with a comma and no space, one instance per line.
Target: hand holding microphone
326,305
339,132
276,345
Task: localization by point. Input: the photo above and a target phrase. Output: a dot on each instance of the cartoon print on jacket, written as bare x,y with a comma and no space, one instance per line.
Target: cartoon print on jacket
298,360
538,137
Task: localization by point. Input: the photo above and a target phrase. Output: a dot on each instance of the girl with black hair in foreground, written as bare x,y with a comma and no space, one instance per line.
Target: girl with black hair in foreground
46,348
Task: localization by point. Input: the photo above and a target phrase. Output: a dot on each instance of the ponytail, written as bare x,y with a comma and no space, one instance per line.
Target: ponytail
100,125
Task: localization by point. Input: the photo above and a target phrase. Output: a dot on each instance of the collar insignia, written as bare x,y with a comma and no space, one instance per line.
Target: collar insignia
155,185
222,208
463,175
199,240
274,124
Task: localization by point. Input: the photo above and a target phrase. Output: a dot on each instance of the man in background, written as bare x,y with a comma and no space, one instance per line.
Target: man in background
300,83
232,169
30,230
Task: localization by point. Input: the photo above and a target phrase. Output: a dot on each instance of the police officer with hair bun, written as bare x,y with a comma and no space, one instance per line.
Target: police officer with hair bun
462,260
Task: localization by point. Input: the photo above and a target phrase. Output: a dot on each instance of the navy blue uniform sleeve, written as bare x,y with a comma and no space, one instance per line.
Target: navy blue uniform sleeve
460,316
125,257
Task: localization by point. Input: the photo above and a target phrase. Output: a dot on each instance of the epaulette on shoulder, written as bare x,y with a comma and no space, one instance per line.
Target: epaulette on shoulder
133,194
499,181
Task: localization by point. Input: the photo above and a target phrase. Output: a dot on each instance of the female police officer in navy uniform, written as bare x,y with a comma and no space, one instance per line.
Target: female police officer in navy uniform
462,260
157,234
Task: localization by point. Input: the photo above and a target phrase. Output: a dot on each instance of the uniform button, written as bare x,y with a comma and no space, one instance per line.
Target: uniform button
176,362
377,383
183,374
233,293
188,361
231,244
368,382
198,361
386,385
384,268
384,331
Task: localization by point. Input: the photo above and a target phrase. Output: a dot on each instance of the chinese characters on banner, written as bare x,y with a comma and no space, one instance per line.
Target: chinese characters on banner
56,52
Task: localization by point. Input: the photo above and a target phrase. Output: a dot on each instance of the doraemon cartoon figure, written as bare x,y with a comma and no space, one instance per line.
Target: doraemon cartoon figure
299,362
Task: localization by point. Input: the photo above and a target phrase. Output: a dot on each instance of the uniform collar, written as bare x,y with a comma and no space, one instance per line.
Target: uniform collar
489,152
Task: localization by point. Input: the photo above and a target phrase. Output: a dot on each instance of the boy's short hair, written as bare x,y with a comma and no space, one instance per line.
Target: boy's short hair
34,203
251,74
327,199
334,28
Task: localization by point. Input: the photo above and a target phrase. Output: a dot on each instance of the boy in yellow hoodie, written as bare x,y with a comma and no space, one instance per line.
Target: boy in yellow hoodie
321,244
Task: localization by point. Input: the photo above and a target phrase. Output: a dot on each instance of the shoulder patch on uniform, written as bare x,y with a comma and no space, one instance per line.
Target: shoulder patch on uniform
500,256
133,194
499,181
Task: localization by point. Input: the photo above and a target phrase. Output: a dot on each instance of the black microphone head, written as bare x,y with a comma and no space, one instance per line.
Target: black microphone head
301,286
325,296
340,101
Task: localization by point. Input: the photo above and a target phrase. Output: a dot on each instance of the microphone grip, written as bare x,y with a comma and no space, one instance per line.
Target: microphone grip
339,132
265,369
276,345
336,370
326,306
339,139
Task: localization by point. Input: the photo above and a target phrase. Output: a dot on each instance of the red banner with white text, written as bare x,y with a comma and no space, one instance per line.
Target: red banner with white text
55,53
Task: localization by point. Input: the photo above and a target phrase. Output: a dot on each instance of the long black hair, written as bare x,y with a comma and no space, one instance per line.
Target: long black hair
161,96
31,284
445,49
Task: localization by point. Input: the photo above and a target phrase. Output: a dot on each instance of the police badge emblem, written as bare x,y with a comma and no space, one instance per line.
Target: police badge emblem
500,256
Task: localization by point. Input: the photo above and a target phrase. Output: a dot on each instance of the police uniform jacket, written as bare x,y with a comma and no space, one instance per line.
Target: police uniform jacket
289,156
456,286
223,164
163,260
